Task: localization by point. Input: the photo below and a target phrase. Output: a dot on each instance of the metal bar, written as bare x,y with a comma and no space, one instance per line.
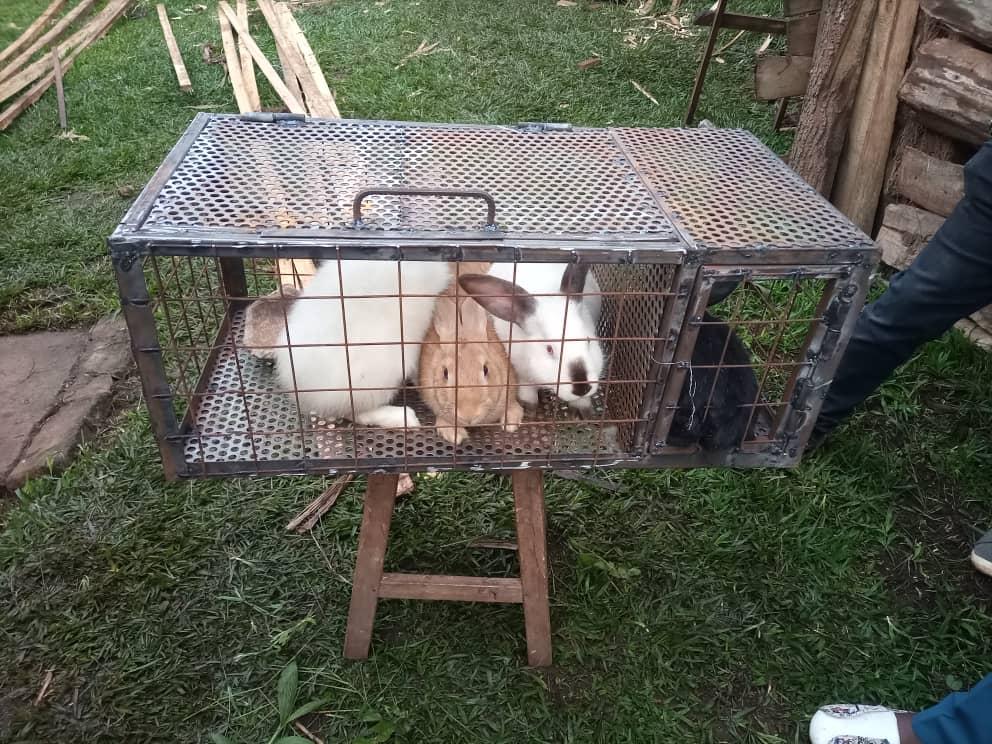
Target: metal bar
140,320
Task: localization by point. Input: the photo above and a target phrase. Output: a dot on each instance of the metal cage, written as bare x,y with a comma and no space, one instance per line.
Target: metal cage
725,289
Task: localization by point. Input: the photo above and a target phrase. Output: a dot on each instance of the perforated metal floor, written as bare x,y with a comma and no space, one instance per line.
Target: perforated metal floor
241,418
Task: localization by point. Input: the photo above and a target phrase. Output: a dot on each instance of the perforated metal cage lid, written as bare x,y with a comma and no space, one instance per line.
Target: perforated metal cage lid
235,180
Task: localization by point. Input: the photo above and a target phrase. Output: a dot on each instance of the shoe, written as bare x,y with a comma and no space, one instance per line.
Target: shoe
854,724
981,556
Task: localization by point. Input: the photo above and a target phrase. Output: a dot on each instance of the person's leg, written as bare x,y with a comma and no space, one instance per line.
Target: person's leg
950,279
960,718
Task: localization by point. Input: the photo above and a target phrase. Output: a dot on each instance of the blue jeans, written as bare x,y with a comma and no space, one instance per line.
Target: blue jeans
960,718
949,280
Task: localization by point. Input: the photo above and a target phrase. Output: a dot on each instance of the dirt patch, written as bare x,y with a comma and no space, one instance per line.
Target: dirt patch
567,687
938,537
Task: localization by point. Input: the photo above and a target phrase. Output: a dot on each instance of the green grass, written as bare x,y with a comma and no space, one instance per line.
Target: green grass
169,611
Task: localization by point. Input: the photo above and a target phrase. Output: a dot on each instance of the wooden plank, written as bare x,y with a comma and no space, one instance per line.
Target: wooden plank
971,18
288,74
779,76
861,172
59,90
313,66
54,33
801,34
289,51
95,29
905,230
450,588
528,496
32,31
800,7
247,65
380,496
949,85
174,54
933,184
41,67
742,22
233,62
292,102
841,44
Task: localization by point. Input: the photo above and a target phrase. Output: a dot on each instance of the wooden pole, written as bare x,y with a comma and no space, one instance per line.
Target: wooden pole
60,91
528,496
861,172
842,41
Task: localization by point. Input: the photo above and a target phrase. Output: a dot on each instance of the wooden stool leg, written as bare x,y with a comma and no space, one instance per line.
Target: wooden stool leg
528,497
704,63
380,495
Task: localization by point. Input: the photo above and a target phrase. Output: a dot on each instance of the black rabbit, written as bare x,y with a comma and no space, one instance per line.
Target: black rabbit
722,424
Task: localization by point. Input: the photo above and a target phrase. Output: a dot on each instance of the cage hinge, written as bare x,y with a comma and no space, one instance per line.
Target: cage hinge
271,117
535,127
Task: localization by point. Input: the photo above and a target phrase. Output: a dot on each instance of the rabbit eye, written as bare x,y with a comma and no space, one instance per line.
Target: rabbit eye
445,373
551,349
485,370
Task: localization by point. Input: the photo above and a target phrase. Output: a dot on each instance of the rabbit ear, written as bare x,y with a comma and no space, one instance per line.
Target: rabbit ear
573,280
444,316
721,291
473,319
503,299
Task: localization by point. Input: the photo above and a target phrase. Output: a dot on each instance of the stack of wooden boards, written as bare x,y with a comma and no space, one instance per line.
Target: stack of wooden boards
39,56
900,97
302,87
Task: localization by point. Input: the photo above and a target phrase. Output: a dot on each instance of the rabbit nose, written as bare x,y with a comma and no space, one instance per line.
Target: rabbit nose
580,379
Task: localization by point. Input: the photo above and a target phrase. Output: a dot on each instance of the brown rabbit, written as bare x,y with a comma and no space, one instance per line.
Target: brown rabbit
484,373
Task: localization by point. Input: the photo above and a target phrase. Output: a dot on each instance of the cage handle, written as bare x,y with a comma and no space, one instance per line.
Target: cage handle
414,191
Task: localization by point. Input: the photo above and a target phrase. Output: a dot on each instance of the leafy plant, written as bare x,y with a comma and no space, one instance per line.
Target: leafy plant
286,695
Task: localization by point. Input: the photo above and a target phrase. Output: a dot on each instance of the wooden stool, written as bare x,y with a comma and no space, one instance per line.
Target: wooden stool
531,589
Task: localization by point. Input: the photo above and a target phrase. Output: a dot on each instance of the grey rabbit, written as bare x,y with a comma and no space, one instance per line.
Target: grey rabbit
723,424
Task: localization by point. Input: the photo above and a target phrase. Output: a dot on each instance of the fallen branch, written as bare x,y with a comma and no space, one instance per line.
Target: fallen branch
59,91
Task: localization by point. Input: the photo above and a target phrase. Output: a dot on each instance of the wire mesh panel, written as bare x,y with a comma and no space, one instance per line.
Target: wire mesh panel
309,296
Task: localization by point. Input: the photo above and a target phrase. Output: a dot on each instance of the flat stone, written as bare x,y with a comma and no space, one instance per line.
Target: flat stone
54,443
33,369
109,349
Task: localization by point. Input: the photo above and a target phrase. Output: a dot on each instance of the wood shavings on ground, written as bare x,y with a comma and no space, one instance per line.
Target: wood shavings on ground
423,50
647,95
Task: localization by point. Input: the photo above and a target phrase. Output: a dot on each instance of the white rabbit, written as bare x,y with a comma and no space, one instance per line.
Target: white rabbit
367,320
541,359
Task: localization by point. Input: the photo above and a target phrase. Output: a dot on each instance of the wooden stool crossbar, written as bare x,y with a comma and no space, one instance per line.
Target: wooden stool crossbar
531,589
